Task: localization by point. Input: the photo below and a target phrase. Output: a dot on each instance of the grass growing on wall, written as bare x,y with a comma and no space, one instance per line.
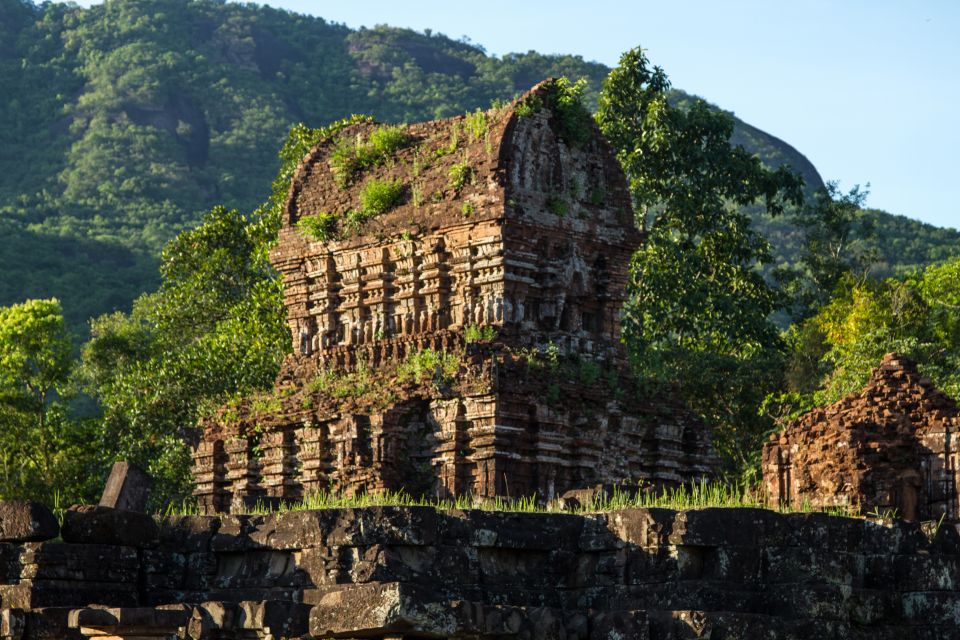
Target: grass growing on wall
702,495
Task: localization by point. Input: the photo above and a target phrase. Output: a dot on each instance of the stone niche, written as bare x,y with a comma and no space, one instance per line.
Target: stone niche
892,445
507,242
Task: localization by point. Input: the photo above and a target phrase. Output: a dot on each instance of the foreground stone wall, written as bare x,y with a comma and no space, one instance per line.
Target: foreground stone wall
422,573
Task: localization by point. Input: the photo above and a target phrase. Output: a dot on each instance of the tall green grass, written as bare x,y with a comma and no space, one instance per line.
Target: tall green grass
702,495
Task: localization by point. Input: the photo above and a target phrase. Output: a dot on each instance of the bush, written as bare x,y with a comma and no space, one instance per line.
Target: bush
322,226
351,155
567,104
386,141
529,107
565,99
379,196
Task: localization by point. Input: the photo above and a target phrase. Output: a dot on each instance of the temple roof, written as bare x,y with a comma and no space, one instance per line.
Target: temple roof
517,161
897,399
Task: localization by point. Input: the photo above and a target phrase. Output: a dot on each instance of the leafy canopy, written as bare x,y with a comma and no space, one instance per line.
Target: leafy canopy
41,450
697,314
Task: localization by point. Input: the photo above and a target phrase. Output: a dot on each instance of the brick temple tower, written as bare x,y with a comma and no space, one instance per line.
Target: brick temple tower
464,338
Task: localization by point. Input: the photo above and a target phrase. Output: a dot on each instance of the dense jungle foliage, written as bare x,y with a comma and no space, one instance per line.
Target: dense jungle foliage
129,124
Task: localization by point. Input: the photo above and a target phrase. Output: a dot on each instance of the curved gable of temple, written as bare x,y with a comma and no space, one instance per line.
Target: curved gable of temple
891,445
501,219
453,290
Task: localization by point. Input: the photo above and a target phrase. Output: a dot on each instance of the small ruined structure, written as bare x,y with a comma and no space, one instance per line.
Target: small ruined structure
459,334
891,446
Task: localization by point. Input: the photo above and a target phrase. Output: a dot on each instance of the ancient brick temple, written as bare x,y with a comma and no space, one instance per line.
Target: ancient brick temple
891,446
502,264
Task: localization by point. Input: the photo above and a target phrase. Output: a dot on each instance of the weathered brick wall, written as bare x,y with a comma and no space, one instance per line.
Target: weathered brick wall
493,429
421,573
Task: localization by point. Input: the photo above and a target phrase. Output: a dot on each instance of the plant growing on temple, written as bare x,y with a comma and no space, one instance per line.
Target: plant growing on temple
566,99
476,124
558,206
460,174
476,333
379,196
322,226
697,313
353,154
439,366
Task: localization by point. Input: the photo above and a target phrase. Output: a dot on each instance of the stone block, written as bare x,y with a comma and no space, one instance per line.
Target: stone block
719,527
132,622
79,562
103,525
34,594
642,527
25,521
512,530
188,534
620,624
234,532
346,527
382,608
127,488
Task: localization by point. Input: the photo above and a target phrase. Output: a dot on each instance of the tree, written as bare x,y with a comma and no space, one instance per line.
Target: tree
697,315
41,450
835,236
837,348
214,328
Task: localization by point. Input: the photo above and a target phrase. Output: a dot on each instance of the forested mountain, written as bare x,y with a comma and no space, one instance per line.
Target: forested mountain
120,124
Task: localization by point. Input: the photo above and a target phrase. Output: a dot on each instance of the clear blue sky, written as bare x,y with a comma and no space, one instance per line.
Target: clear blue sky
868,90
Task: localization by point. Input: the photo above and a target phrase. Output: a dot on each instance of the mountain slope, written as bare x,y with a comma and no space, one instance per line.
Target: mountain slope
124,122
